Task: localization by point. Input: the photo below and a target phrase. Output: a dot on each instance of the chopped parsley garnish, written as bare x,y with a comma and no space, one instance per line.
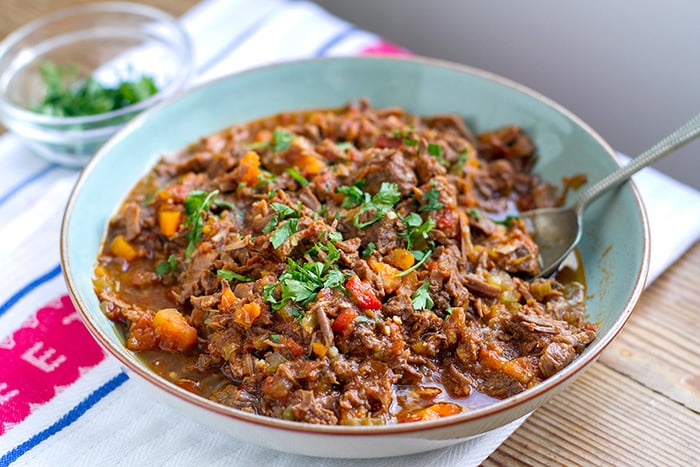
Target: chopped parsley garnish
432,201
369,249
284,231
435,150
335,236
274,338
406,136
282,211
297,176
462,159
231,275
258,145
68,96
281,140
167,266
300,283
417,230
381,203
421,299
344,145
474,212
353,196
197,204
506,222
421,257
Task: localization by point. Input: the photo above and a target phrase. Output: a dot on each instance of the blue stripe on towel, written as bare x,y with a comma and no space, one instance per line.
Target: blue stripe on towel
235,43
333,41
29,287
66,420
27,181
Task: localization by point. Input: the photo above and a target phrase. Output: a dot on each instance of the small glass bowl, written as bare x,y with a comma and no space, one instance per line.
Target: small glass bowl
109,41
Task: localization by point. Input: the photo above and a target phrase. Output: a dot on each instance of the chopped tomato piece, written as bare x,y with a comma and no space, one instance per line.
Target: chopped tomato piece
294,347
343,323
363,293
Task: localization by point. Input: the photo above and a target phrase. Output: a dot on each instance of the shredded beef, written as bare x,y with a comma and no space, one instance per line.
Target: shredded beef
355,266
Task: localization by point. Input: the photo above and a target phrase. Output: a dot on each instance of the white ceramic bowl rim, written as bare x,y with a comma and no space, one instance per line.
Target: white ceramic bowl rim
145,11
589,356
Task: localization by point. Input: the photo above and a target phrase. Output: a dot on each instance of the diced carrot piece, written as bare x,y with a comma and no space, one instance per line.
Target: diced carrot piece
228,301
308,165
435,411
520,368
389,275
122,248
319,349
401,258
169,221
173,330
247,314
250,168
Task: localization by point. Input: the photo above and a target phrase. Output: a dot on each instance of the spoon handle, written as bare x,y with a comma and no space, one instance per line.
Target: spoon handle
675,140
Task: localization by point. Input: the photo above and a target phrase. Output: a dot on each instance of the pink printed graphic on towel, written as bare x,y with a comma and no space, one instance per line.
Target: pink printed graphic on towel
385,48
44,355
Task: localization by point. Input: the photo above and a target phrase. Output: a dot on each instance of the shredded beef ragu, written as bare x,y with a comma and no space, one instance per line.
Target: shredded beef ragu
342,267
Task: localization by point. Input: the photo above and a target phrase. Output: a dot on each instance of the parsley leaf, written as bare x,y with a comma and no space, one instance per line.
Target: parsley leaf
432,201
421,299
353,196
369,249
300,283
416,230
506,222
283,232
297,176
68,96
435,150
197,204
169,265
231,275
381,203
281,140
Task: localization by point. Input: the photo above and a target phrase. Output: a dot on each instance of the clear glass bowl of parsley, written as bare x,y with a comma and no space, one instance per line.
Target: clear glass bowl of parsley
70,80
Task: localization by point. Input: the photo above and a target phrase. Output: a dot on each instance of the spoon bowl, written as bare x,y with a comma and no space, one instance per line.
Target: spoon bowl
557,231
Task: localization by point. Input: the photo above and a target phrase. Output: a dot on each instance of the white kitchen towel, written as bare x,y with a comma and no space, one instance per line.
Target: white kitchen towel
62,401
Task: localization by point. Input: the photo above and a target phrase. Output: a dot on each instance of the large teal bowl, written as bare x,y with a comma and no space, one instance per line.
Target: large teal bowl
615,245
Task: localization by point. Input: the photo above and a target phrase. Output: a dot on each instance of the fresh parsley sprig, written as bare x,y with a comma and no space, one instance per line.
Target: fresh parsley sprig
301,282
432,201
381,203
167,266
229,276
421,299
68,96
197,205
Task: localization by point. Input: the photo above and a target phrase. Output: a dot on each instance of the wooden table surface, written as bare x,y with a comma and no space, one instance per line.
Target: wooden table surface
638,405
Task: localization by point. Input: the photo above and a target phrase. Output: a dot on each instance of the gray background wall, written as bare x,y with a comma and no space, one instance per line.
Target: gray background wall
630,68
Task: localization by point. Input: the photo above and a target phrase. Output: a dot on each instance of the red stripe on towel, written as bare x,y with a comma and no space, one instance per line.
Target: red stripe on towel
46,354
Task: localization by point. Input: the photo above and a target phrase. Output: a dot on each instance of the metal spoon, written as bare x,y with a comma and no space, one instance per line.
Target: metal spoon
557,231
